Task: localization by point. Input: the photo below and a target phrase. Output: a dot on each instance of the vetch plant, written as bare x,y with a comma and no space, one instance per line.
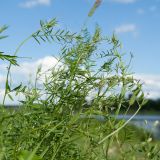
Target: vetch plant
55,120
72,115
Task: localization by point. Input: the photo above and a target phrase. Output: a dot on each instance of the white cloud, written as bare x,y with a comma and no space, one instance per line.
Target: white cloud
22,73
124,1
2,79
125,28
27,68
8,101
153,8
151,85
1,94
140,11
34,3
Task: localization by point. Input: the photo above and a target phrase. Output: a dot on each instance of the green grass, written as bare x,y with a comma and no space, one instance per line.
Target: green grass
76,138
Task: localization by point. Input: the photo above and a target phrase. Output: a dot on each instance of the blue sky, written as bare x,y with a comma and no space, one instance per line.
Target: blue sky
138,23
135,22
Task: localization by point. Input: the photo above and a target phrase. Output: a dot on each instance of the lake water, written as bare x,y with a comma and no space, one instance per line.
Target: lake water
149,123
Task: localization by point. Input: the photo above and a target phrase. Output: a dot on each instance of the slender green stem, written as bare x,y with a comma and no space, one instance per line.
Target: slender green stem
117,130
9,67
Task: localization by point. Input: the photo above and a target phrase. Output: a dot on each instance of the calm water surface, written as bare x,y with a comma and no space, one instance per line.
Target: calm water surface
150,123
